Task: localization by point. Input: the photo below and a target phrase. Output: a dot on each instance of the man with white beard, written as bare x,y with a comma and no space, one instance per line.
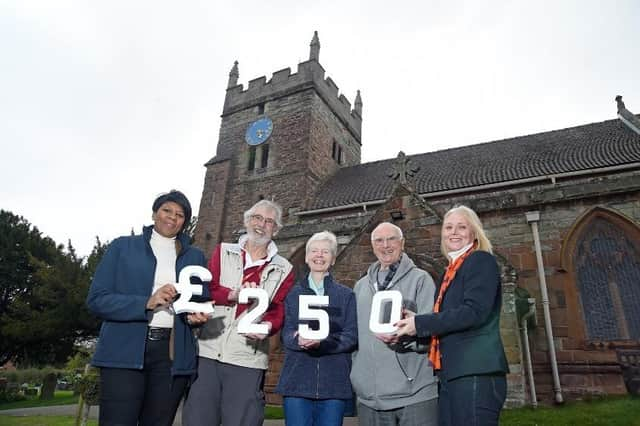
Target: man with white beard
231,366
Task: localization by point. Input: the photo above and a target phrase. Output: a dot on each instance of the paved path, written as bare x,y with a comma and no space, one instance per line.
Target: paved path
70,410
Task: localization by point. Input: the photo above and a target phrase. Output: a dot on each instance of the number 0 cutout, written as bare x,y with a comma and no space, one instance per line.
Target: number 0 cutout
187,290
395,297
306,312
247,325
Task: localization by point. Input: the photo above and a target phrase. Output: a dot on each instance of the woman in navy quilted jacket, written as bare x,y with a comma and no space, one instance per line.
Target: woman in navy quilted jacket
145,352
315,376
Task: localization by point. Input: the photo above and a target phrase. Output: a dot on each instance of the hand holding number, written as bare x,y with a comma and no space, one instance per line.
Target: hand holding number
387,338
406,313
308,343
162,297
233,295
197,318
259,336
406,326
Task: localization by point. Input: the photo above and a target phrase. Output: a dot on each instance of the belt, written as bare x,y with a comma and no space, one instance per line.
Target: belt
158,333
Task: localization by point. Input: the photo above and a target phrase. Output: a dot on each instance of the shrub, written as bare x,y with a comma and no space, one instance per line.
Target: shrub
33,376
11,394
89,386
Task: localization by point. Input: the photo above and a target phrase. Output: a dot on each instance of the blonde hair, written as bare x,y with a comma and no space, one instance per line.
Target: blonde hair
476,226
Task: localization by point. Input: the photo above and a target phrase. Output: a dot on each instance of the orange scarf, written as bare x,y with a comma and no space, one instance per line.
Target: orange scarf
452,269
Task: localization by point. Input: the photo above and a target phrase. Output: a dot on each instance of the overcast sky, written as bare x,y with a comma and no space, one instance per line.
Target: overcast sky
106,104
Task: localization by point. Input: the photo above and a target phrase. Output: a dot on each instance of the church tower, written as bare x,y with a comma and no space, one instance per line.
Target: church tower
279,140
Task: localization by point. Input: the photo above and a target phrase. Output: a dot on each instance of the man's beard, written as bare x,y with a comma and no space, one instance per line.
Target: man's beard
254,237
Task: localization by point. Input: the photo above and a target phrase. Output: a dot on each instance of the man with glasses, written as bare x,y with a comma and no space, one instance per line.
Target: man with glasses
231,365
394,382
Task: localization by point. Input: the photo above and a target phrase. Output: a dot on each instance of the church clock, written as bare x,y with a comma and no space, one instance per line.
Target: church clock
259,131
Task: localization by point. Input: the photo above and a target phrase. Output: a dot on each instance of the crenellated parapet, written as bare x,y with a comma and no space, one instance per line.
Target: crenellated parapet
310,75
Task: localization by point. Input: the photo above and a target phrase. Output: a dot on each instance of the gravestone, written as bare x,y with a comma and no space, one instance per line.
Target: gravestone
48,386
629,360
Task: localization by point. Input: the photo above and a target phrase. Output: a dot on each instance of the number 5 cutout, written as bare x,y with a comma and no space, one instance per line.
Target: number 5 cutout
306,312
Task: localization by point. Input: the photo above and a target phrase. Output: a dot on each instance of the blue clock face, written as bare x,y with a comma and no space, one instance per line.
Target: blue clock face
259,131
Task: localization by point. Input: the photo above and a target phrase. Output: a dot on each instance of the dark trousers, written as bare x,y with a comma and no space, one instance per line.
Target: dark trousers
472,400
419,414
225,394
141,397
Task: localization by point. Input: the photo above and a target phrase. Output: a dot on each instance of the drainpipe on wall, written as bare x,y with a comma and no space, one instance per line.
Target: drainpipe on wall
524,325
533,218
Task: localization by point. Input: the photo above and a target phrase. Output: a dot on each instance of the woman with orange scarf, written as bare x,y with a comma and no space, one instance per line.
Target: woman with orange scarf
466,348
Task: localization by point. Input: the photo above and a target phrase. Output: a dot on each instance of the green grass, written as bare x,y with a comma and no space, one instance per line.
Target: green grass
59,398
273,412
41,421
624,411
612,411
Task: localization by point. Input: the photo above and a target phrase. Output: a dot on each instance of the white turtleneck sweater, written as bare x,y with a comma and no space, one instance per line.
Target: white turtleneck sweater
164,249
453,255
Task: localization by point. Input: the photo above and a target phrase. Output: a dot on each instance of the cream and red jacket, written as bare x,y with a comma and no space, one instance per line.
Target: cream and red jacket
219,339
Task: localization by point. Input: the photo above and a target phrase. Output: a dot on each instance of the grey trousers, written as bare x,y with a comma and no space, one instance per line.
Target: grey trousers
420,414
224,393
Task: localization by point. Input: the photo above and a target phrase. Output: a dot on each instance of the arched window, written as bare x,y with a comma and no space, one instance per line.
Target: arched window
603,253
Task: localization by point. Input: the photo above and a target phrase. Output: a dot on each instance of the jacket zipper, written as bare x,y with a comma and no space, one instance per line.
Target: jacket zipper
317,379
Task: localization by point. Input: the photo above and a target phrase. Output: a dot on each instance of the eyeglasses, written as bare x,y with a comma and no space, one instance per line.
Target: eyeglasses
379,241
267,220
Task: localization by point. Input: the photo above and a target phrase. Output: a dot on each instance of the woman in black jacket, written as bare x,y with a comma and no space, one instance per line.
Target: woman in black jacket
315,376
466,348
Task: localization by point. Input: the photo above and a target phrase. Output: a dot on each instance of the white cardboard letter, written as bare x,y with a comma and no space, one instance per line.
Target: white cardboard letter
246,324
307,313
187,290
396,311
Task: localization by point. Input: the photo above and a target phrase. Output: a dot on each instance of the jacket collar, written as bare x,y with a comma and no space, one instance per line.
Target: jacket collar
405,265
182,238
327,282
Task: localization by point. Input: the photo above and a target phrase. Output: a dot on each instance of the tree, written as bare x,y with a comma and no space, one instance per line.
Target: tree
190,228
42,291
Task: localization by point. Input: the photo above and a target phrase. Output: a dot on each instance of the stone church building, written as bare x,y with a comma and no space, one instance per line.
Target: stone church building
562,209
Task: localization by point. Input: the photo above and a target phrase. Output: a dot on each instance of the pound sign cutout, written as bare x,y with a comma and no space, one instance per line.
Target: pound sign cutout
187,290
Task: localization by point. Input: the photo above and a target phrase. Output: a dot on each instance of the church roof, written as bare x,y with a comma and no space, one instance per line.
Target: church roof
575,149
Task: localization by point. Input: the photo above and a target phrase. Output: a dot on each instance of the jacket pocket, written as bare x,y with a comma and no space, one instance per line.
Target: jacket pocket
362,380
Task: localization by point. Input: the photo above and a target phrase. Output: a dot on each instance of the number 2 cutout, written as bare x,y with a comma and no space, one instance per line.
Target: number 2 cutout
246,325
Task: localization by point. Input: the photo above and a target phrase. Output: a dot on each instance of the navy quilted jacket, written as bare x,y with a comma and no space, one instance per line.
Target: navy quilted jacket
118,295
321,373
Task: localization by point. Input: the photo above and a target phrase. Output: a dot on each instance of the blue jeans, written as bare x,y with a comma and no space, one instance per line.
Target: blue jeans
313,412
472,400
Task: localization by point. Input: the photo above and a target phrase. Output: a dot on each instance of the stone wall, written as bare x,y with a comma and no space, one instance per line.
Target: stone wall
421,227
300,159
